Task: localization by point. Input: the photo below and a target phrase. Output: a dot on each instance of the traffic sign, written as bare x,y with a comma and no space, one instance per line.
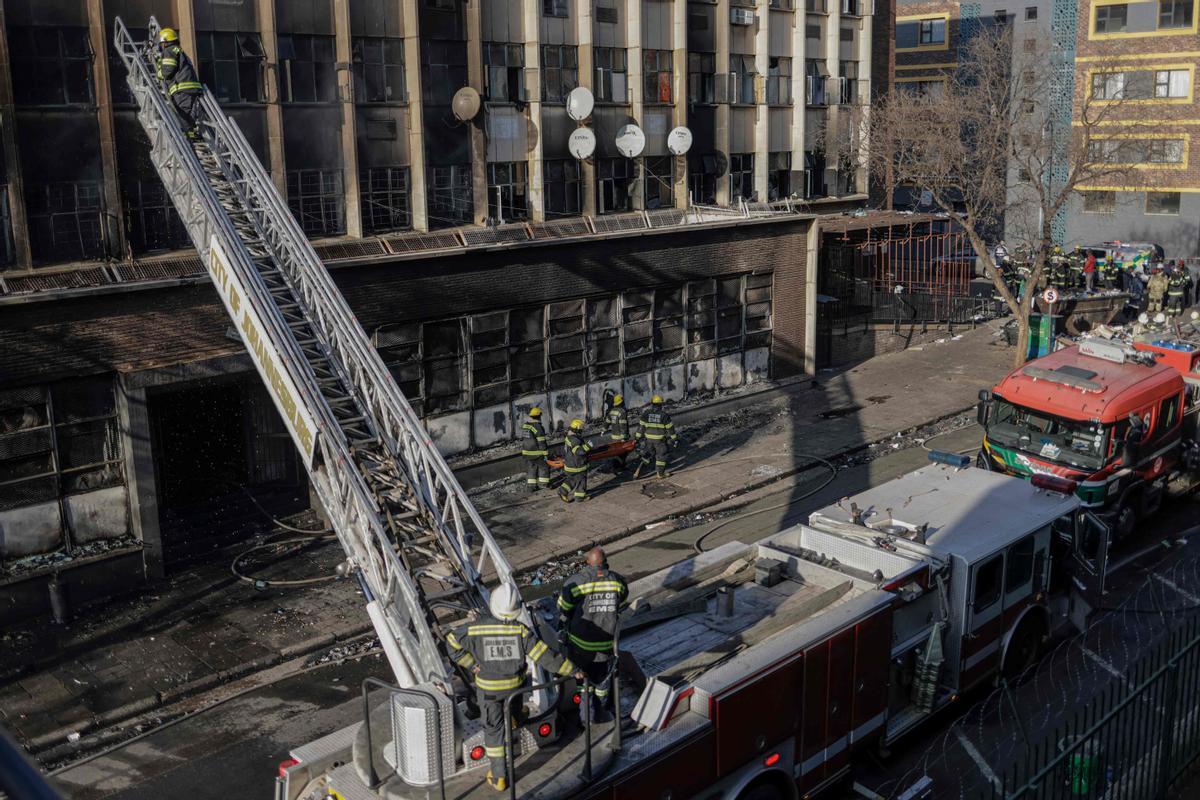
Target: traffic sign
1050,296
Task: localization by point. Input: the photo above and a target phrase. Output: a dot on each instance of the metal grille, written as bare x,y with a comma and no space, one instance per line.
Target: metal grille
159,269
610,223
420,242
333,251
560,228
24,443
75,279
418,722
667,217
499,234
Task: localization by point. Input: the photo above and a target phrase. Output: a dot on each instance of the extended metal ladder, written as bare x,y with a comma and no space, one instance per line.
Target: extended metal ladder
416,543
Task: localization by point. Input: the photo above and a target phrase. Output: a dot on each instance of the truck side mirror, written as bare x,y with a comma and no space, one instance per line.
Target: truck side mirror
981,411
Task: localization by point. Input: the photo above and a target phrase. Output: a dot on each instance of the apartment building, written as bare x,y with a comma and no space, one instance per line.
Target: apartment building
492,268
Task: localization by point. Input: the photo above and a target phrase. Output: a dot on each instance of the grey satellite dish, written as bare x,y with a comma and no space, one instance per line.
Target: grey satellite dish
580,103
465,103
679,140
582,143
630,140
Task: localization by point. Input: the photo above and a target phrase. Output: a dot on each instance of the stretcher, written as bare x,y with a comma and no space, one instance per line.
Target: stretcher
601,453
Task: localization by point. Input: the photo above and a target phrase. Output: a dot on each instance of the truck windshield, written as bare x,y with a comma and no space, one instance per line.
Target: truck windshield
1067,441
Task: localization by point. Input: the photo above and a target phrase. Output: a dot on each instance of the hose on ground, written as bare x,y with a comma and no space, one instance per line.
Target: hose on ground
262,583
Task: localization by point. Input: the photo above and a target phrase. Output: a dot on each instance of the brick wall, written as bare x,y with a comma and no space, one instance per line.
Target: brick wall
861,343
790,294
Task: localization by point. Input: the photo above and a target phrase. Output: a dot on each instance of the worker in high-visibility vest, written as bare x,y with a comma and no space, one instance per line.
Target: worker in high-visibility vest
494,649
616,425
575,464
180,80
656,435
589,606
1176,289
533,448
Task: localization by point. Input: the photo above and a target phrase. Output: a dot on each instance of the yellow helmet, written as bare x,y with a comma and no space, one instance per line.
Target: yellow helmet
576,424
535,412
618,399
656,400
167,35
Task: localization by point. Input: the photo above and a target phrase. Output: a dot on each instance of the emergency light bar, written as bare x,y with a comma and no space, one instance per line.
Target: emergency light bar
1053,483
956,460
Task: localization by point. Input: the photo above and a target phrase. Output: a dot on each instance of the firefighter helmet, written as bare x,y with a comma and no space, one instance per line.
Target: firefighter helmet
167,35
618,399
576,424
504,602
656,400
535,412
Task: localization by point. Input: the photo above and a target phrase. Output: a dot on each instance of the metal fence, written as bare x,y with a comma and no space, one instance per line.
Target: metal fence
865,305
1133,741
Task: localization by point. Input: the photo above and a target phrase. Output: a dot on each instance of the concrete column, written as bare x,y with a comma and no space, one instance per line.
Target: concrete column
863,102
633,50
587,78
799,69
114,212
762,64
479,193
535,189
833,46
723,110
134,420
810,297
12,158
341,30
266,24
185,26
679,65
416,115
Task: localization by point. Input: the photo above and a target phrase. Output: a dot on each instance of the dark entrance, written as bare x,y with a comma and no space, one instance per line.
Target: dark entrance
224,465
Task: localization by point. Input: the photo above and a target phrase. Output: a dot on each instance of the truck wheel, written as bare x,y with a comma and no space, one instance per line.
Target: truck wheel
1023,647
763,789
983,462
1125,518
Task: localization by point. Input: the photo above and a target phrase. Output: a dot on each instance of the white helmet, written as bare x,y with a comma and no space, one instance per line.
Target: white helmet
504,602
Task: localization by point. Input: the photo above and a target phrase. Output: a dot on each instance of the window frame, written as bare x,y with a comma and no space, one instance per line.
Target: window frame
368,191
654,78
1189,15
976,585
514,73
30,55
1109,208
511,180
1159,213
360,67
606,73
1108,18
556,8
561,69
331,206
294,72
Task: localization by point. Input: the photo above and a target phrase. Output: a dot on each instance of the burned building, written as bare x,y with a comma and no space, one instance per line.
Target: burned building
492,267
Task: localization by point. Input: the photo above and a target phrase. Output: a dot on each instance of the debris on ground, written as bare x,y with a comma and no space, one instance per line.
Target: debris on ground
40,562
343,651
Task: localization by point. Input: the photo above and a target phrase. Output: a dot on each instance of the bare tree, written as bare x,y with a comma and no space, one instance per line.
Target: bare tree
991,144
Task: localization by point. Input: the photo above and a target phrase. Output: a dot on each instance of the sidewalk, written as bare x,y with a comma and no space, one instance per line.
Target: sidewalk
206,627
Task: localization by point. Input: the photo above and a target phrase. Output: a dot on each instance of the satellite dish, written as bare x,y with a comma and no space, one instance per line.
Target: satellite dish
465,104
582,143
679,140
580,103
630,141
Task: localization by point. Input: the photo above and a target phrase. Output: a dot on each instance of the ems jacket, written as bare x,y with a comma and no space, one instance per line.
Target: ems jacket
534,443
656,425
617,423
589,603
575,450
176,70
499,649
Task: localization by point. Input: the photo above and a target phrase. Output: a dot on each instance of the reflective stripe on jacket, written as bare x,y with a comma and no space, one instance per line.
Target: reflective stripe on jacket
617,424
495,650
575,450
589,603
656,424
176,70
534,443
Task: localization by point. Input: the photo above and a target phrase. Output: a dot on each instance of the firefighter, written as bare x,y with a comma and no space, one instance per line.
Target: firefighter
616,425
588,606
1075,268
179,77
1112,272
494,648
1176,289
1156,289
533,447
1058,270
656,435
575,464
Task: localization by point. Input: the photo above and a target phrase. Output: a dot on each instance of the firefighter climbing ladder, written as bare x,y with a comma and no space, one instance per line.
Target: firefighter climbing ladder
416,543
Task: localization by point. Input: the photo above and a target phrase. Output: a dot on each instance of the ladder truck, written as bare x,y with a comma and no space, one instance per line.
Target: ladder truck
760,671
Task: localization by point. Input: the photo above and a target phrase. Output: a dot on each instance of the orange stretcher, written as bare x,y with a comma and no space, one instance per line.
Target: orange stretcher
602,453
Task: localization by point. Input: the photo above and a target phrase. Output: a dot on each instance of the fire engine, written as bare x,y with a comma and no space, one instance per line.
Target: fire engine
1116,420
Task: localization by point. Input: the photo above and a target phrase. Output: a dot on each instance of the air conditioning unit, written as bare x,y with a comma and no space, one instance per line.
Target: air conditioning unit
741,16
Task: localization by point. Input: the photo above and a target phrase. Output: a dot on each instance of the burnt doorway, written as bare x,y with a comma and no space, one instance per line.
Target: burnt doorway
224,466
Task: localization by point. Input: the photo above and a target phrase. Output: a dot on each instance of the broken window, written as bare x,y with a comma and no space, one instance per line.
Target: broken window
379,70
657,72
489,358
527,350
449,195
231,64
604,337
66,221
445,384
741,74
506,191
779,175
560,71
614,179
307,73
151,220
668,326
384,193
701,319
566,344
317,198
702,78
51,66
758,311
400,348
741,176
444,70
779,81
612,84
729,315
703,172
503,72
563,198
659,181
637,316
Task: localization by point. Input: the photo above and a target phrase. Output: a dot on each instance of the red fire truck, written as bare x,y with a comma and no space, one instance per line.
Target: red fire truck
758,672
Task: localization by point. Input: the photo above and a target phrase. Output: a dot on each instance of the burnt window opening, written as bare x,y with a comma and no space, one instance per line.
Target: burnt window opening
449,192
317,198
668,326
122,95
659,181
758,319
566,344
232,65
506,191
151,221
637,331
612,77
560,71
58,440
741,177
563,188
66,221
503,72
379,70
779,81
779,175
489,358
444,70
445,387
742,74
614,182
703,173
527,350
701,320
400,349
604,337
702,78
385,198
51,66
657,75
307,72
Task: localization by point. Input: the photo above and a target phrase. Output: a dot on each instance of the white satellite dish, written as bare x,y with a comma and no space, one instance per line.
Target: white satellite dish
580,103
582,143
679,140
465,104
630,141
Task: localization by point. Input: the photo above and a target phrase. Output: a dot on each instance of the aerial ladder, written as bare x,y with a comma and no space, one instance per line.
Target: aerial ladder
412,537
